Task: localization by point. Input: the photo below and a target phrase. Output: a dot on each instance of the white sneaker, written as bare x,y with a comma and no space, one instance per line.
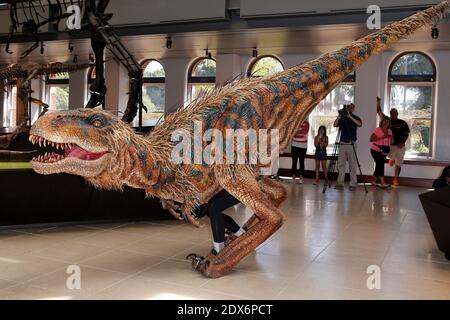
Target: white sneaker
300,181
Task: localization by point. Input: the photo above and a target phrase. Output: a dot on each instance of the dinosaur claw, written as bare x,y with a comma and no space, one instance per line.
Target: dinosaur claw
196,260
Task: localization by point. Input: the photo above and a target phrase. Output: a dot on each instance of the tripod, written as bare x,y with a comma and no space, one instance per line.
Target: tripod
334,160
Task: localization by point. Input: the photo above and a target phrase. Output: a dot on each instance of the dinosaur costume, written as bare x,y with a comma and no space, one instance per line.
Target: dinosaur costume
106,151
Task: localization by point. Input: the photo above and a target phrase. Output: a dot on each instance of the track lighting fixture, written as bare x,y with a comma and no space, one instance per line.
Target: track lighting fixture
207,53
42,47
435,32
255,53
75,58
71,47
169,43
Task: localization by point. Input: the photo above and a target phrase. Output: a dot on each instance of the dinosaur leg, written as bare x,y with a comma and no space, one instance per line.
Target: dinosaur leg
275,191
243,185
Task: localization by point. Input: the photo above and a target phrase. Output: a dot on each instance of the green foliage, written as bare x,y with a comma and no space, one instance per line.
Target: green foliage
204,68
266,66
62,98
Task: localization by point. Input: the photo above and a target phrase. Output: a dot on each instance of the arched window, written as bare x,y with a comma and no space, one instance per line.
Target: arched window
153,92
9,105
201,77
57,91
264,66
412,77
91,75
326,111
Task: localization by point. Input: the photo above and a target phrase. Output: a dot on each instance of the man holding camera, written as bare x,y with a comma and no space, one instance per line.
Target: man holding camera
348,123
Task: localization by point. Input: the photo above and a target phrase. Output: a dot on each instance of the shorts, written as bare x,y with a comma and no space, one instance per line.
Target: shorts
397,154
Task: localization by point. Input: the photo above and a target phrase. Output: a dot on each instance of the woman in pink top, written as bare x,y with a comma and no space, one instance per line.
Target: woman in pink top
381,139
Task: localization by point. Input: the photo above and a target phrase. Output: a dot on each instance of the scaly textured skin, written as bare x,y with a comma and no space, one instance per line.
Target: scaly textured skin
277,102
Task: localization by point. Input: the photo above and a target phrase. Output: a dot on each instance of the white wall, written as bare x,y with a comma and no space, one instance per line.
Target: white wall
371,80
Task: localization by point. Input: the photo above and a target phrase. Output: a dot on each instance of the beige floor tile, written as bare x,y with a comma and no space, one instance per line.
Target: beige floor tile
25,244
111,239
202,294
312,291
24,292
394,286
25,267
321,252
285,267
122,261
146,229
158,247
247,284
140,288
417,268
9,234
68,233
92,281
70,252
175,271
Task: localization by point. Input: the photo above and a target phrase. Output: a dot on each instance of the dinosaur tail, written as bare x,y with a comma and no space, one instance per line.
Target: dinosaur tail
312,81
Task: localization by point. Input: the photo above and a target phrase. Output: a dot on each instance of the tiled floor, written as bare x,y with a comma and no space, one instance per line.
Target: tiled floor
322,252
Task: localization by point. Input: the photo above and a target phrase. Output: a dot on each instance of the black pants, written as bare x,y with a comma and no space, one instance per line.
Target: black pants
298,154
219,221
379,159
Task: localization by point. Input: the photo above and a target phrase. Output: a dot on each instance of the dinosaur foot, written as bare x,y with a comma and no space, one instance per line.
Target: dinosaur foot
204,266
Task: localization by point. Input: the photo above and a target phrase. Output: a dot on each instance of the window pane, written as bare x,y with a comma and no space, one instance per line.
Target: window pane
414,105
197,89
154,97
326,112
266,66
204,68
154,69
413,64
10,114
59,97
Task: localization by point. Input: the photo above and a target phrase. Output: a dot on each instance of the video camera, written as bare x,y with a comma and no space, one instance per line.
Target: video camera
344,112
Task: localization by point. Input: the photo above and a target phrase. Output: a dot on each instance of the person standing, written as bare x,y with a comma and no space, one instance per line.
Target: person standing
400,131
348,124
321,144
381,139
299,148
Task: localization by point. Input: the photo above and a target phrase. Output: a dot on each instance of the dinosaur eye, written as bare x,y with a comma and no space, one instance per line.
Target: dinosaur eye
97,123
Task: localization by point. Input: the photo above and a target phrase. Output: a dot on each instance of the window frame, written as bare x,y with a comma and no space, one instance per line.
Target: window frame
196,80
255,61
349,80
428,80
430,154
152,81
49,83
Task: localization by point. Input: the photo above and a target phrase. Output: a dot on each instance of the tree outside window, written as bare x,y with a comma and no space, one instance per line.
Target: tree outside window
57,91
153,92
327,110
264,66
412,79
201,78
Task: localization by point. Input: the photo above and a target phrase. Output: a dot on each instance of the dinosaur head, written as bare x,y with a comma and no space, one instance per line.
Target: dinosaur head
89,139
